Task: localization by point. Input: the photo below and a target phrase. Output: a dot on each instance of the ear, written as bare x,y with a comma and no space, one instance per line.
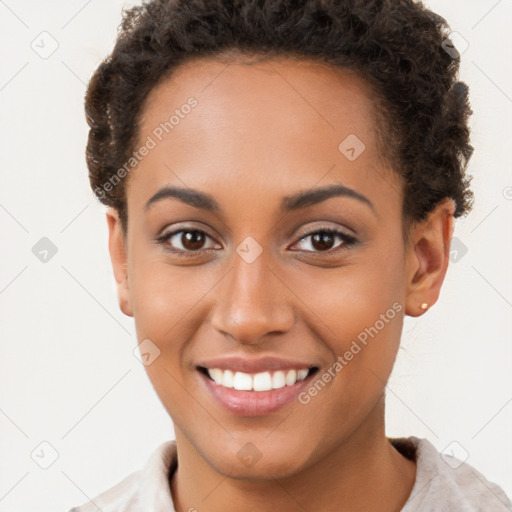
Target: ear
427,258
116,247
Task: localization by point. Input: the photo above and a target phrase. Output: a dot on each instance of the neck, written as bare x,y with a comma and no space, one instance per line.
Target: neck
364,472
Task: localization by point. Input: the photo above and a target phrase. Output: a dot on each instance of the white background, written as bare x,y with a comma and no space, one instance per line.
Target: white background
68,373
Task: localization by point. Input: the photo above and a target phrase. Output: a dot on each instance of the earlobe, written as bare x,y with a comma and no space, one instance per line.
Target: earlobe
118,258
428,257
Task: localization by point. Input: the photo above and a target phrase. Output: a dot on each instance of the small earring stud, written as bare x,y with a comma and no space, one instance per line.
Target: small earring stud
424,306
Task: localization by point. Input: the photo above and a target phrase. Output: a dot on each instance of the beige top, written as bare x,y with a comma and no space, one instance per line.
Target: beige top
443,483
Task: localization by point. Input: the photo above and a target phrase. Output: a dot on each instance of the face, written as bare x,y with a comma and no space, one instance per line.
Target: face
265,236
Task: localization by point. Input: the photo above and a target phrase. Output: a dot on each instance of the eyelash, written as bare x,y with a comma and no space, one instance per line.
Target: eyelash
349,241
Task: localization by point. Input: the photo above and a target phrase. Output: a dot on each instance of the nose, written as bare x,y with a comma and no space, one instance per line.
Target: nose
251,302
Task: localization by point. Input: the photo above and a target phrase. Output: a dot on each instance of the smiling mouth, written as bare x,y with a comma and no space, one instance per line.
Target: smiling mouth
257,382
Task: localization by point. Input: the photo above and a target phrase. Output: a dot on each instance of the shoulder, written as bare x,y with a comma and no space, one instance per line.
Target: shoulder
122,497
141,489
444,482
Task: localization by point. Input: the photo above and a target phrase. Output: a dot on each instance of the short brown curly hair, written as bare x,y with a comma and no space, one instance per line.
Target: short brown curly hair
399,47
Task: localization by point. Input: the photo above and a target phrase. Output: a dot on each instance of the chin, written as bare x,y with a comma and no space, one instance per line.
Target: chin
259,460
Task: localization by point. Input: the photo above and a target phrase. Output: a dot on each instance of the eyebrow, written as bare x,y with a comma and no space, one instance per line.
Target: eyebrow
296,201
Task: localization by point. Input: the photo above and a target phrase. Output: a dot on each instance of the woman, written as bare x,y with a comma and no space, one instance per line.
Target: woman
282,180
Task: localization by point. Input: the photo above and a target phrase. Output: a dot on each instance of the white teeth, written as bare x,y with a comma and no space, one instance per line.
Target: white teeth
227,379
242,381
263,381
278,380
302,374
216,375
291,377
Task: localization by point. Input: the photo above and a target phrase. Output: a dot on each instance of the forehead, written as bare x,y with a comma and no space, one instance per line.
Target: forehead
263,123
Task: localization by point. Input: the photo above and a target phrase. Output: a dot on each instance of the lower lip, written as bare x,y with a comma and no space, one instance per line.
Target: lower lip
254,403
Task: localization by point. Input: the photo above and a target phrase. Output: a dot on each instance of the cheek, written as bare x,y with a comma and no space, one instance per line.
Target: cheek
358,312
364,347
162,295
163,300
349,300
169,307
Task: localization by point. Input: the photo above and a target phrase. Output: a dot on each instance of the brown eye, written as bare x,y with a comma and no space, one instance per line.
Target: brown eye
192,240
185,241
324,240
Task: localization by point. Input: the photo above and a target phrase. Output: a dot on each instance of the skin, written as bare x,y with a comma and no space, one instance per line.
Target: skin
262,131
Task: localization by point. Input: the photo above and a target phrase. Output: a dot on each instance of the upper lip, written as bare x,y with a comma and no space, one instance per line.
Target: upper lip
263,364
